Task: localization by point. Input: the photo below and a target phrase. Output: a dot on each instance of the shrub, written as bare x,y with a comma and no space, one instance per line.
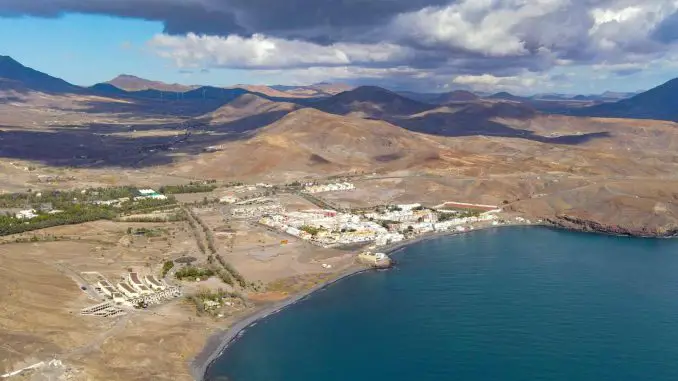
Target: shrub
166,267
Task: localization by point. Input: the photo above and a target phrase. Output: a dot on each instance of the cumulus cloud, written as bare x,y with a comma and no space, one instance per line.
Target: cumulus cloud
485,27
475,43
517,84
262,52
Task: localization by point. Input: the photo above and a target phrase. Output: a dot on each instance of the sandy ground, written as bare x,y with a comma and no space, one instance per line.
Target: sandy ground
41,298
262,254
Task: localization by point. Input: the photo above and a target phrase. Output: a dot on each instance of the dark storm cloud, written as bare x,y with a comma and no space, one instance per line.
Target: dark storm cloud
319,20
177,16
667,30
425,40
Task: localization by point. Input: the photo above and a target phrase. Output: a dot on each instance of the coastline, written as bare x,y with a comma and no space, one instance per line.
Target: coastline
220,340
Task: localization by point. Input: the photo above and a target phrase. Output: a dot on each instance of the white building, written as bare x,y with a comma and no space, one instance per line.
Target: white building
407,207
154,283
26,214
138,284
229,199
329,187
150,193
257,210
118,297
386,239
127,290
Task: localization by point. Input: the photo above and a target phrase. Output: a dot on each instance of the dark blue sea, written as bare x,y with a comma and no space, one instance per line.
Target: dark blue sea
511,304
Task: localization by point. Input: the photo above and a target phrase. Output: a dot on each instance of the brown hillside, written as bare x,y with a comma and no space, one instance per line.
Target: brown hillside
309,141
457,96
332,88
371,102
249,105
268,91
133,83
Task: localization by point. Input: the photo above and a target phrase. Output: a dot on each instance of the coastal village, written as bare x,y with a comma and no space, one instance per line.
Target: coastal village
218,280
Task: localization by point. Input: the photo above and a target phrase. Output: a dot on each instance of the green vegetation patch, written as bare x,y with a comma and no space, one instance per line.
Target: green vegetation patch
193,273
58,208
166,267
192,187
312,230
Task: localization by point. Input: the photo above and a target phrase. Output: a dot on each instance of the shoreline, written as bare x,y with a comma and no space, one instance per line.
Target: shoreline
222,339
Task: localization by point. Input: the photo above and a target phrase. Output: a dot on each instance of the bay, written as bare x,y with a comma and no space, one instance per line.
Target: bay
504,304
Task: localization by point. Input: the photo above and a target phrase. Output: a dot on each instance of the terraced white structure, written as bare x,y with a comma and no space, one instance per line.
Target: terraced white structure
132,291
158,297
154,283
106,309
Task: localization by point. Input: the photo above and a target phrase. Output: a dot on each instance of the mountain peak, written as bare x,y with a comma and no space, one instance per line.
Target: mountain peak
127,76
31,79
7,62
371,93
7,59
371,101
131,82
657,103
457,96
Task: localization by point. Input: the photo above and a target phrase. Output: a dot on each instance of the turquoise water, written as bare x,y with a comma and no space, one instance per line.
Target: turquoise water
507,304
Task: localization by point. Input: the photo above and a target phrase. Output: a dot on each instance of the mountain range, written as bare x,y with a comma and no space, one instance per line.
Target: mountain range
365,101
457,144
657,103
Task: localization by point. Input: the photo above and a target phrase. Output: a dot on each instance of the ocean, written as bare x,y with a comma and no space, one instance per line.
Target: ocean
508,304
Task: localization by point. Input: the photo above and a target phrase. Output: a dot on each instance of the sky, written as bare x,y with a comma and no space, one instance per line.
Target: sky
521,46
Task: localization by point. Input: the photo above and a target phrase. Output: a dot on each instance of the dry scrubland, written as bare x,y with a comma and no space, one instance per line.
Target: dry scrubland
578,172
41,298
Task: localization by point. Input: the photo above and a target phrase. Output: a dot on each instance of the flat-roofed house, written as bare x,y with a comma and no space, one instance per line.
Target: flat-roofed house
127,290
26,214
118,297
153,283
108,290
144,290
135,281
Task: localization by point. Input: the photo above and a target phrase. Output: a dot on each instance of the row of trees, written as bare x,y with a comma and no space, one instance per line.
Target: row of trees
232,272
192,187
194,228
228,273
59,198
